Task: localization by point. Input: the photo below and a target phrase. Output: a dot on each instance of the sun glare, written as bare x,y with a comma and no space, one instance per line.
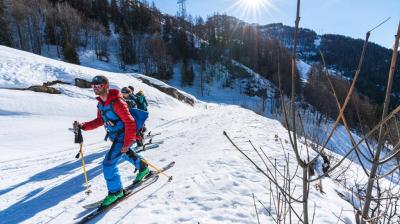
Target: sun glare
251,3
251,9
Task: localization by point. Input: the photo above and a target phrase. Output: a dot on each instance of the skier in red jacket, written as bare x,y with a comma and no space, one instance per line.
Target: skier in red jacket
113,113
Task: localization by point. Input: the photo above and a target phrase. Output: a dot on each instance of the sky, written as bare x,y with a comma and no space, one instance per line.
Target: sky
346,17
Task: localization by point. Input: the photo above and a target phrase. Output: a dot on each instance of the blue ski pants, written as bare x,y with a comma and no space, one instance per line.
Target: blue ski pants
110,165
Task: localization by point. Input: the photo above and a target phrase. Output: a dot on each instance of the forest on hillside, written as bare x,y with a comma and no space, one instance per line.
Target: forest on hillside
156,42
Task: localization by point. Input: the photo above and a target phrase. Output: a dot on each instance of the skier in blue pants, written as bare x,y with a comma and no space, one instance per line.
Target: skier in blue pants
113,113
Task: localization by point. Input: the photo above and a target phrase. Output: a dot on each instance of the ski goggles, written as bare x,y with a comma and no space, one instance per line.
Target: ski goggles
98,86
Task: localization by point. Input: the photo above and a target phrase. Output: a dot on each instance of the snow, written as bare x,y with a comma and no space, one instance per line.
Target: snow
22,69
317,41
42,182
303,68
214,92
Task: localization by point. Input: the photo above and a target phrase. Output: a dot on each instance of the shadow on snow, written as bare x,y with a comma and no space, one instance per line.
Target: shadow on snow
34,202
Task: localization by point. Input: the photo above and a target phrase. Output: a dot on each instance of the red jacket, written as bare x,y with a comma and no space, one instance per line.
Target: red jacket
121,109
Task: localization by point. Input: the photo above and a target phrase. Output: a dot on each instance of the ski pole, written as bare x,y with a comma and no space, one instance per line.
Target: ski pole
158,170
79,139
84,170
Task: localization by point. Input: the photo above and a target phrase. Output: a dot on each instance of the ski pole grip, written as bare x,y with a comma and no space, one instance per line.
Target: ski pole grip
78,133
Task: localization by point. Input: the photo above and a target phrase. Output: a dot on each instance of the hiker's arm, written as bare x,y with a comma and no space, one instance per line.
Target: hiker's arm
93,124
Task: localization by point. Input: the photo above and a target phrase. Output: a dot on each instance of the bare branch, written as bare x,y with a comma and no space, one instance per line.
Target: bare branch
313,216
293,97
394,112
348,95
387,174
262,171
380,138
267,211
396,150
380,24
255,207
353,142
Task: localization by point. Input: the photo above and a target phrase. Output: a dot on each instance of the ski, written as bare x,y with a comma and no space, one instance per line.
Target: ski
134,186
146,147
129,191
141,185
151,135
153,142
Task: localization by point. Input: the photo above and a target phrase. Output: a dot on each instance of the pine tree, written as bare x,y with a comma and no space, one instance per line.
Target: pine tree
115,15
49,34
70,54
5,37
187,74
100,9
167,30
127,53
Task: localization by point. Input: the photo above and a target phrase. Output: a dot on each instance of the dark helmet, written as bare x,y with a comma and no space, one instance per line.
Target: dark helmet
126,90
99,79
131,88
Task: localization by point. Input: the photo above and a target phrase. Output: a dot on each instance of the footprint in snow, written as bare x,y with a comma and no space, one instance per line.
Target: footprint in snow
170,194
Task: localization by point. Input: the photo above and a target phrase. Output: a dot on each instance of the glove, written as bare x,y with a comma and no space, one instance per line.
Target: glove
77,131
77,125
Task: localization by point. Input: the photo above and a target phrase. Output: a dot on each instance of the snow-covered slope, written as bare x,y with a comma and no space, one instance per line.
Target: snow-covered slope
42,182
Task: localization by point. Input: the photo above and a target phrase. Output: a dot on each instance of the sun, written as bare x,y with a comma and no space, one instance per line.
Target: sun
251,9
251,3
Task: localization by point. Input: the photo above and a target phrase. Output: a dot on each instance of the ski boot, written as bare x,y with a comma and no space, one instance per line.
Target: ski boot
142,174
111,198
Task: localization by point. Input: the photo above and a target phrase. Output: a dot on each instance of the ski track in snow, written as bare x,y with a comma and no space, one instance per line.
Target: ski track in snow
212,182
42,182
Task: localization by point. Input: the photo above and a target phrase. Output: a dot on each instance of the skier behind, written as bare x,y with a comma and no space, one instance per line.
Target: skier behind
139,98
141,101
113,113
132,89
129,97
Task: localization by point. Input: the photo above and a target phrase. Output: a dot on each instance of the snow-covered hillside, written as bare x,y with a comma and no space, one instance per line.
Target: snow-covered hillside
42,182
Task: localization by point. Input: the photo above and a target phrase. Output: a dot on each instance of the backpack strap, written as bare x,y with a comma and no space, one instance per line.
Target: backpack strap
112,109
104,114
